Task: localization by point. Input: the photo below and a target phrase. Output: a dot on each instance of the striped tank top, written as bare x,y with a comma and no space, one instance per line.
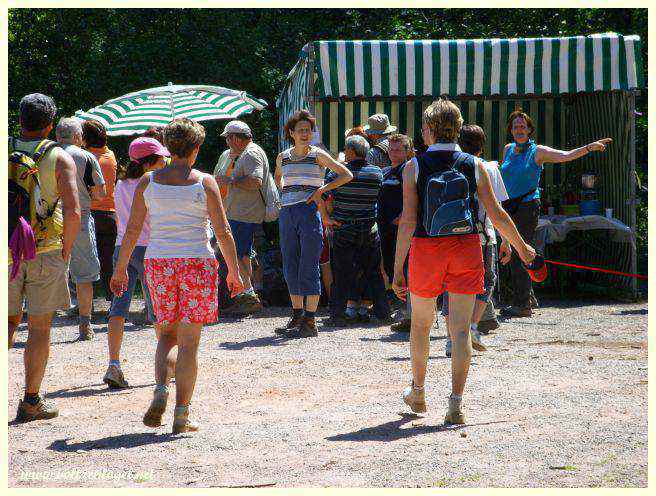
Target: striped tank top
301,176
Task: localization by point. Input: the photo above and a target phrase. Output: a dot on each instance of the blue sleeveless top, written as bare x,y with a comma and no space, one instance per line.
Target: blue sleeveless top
521,173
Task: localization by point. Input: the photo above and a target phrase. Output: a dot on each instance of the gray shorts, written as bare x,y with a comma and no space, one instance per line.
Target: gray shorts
489,279
84,265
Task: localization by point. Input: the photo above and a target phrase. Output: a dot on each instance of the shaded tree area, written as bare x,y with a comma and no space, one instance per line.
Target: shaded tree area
83,57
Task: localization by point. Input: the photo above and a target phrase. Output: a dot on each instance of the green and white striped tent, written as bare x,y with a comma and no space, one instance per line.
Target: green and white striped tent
575,88
135,112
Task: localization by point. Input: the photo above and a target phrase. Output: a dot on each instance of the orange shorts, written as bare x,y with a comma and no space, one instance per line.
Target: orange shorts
451,263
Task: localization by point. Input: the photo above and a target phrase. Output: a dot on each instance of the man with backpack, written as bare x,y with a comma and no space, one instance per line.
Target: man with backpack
85,265
441,189
44,218
378,128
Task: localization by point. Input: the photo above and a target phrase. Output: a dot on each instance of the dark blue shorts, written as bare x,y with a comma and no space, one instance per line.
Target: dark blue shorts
242,232
301,243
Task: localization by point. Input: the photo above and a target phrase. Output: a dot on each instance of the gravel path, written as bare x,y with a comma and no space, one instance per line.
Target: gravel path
559,400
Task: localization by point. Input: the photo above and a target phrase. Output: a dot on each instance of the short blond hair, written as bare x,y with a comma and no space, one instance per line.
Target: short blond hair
444,120
181,136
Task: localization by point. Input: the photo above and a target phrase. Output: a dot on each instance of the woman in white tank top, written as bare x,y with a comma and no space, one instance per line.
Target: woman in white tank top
180,267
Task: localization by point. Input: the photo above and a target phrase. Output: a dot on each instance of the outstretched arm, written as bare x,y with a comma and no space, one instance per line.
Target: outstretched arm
549,155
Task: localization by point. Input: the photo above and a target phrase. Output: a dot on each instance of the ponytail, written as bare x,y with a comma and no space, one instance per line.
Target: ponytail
137,168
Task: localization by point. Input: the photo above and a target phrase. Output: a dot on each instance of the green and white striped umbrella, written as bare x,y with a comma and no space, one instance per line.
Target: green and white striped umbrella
135,112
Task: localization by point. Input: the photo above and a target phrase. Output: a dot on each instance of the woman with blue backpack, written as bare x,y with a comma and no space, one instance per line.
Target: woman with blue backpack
521,169
441,190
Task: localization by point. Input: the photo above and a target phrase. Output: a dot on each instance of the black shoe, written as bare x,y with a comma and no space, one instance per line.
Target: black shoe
513,311
485,326
307,329
293,323
403,326
338,321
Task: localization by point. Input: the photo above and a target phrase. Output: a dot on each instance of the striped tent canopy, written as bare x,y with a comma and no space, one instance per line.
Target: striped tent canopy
135,112
487,67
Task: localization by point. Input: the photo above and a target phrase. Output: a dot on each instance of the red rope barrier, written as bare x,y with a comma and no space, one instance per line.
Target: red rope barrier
598,269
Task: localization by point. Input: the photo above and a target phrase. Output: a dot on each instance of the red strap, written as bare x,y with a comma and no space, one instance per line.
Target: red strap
598,269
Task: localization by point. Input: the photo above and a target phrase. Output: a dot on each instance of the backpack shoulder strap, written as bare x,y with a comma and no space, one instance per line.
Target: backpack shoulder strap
42,149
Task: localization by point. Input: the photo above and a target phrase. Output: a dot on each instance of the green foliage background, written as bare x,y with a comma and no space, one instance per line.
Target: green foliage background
83,57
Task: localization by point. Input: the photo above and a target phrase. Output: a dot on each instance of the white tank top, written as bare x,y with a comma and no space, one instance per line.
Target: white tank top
179,221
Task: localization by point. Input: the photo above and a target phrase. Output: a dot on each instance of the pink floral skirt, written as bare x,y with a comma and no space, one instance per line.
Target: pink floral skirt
183,289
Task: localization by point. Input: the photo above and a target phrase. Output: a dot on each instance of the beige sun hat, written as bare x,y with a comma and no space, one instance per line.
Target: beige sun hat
379,124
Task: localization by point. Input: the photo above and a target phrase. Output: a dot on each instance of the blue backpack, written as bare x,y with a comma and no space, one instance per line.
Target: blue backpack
447,207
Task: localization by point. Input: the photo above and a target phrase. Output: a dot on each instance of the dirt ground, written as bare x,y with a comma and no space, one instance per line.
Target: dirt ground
559,400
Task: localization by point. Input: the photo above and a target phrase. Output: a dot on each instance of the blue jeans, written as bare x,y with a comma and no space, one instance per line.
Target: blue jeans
242,233
121,304
301,242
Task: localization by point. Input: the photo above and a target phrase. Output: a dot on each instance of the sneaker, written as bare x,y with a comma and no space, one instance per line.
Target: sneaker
454,415
513,311
153,417
403,326
181,422
476,342
415,398
363,314
86,334
114,378
485,326
448,346
351,314
72,312
307,329
41,411
293,323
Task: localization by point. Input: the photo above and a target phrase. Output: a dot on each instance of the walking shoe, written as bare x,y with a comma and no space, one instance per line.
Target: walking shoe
476,342
402,326
513,311
41,411
364,317
153,417
72,312
485,326
293,323
454,415
335,321
415,398
86,334
181,422
447,347
307,329
114,378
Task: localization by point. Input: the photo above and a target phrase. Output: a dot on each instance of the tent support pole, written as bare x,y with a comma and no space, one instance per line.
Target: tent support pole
632,193
309,89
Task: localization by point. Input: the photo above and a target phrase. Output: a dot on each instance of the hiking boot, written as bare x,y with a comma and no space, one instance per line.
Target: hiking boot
181,422
244,304
485,326
415,398
41,411
476,342
448,347
454,415
307,329
403,326
293,323
153,417
86,334
114,378
513,311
